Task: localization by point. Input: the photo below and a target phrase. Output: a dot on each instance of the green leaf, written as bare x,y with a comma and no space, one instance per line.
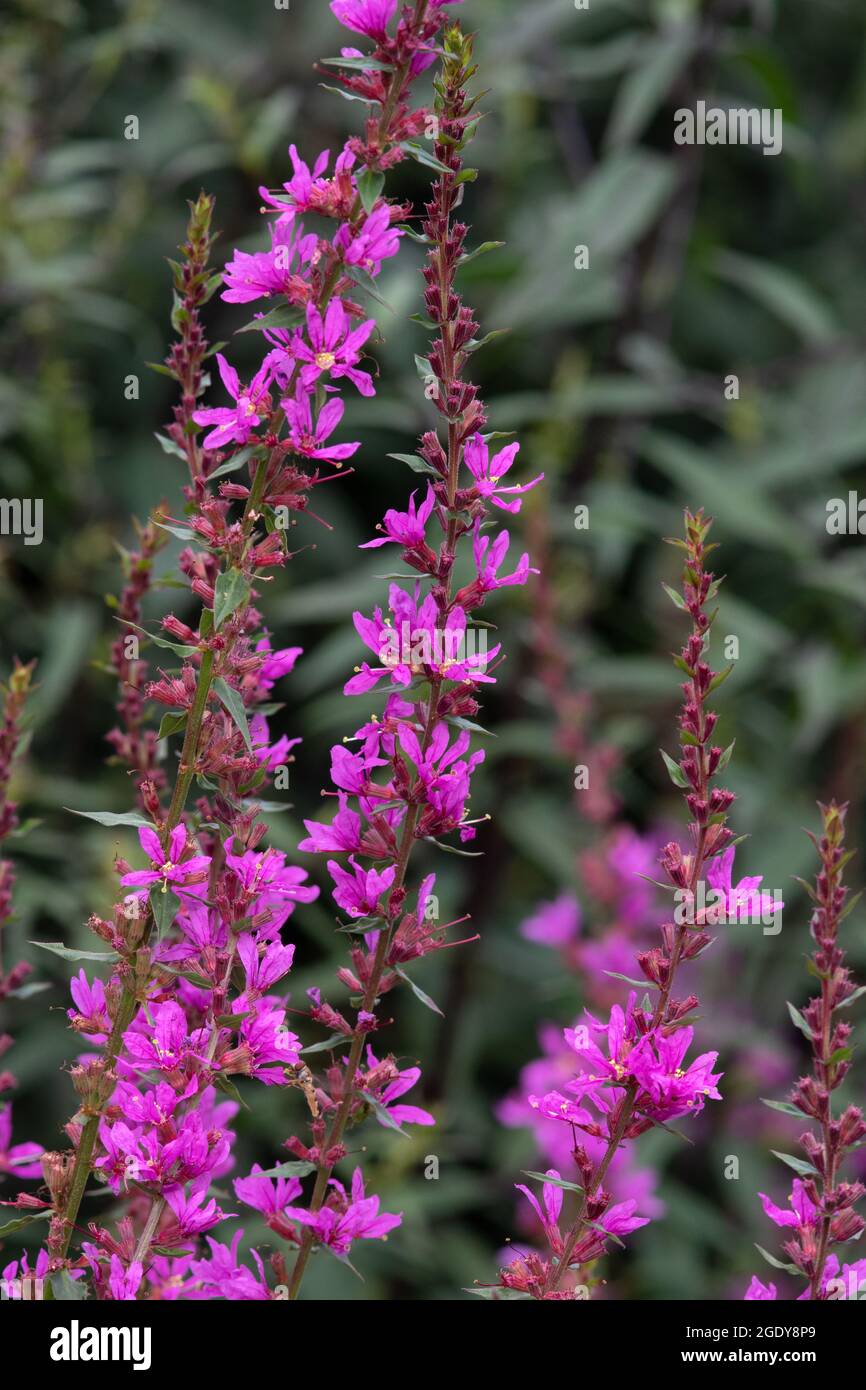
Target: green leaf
168,446
230,591
475,344
227,1086
235,706
111,818
65,1289
12,1227
418,992
383,1113
799,1021
418,465
778,1264
675,597
359,64
281,317
858,994
493,1293
299,1168
458,722
452,849
784,1107
799,1165
165,906
370,184
554,1182
675,772
326,1044
172,723
726,757
641,984
70,953
481,250
424,156
720,677
237,461
347,96
178,648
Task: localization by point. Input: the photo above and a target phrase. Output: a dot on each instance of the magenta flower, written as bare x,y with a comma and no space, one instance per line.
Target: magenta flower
743,901
489,555
14,1158
223,1277
268,1195
758,1292
333,349
358,893
405,528
414,644
265,1045
193,1214
312,441
369,17
278,271
308,189
359,1219
344,832
166,870
235,425
91,1016
124,1283
803,1211
263,967
671,1091
376,241
393,1090
548,1215
488,473
169,1045
275,666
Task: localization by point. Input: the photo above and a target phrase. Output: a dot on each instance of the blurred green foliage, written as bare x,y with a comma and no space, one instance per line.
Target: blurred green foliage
704,262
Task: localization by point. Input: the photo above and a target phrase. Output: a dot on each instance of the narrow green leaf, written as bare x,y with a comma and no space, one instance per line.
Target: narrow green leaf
70,953
675,772
230,591
235,706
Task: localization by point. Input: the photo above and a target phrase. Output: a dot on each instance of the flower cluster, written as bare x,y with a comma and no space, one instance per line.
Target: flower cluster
640,1077
821,1210
407,773
195,941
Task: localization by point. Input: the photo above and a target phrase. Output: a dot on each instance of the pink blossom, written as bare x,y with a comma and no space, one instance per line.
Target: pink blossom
311,441
488,473
252,403
370,17
338,1226
333,349
166,868
359,893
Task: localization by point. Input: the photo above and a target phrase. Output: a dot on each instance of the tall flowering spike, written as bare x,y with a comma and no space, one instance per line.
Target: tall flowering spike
410,776
821,1211
196,996
637,1070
